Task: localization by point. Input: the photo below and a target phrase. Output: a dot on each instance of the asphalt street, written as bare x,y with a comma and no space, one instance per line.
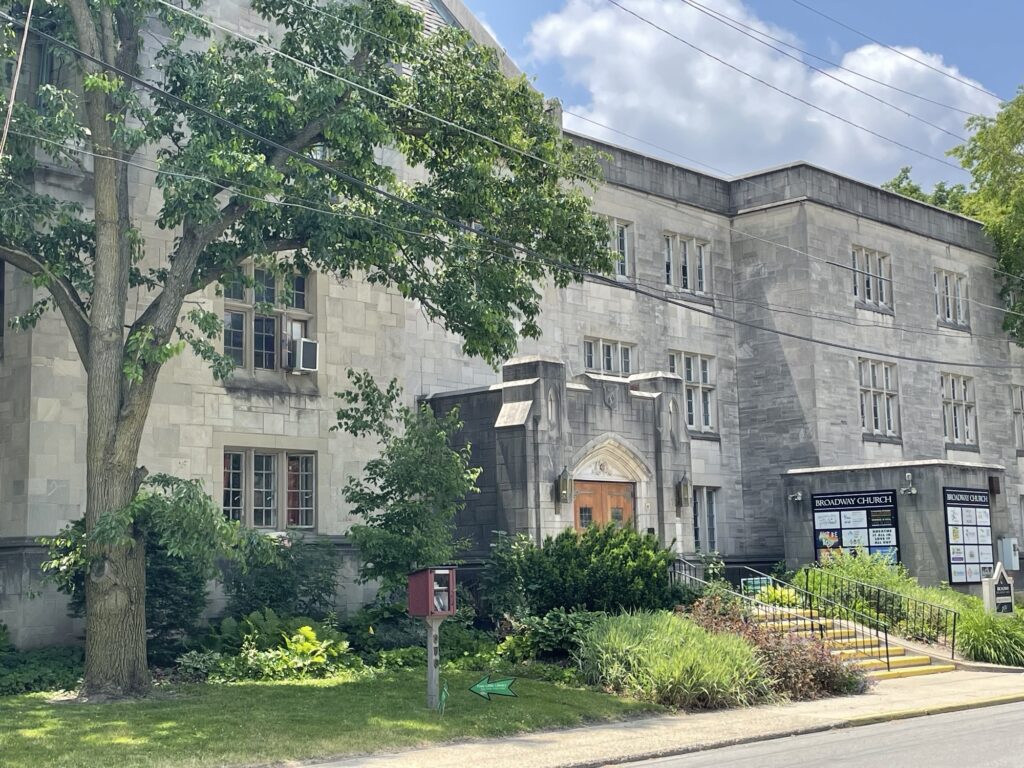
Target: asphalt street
992,737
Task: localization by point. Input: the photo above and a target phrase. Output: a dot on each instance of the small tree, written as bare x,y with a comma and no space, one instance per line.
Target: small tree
410,494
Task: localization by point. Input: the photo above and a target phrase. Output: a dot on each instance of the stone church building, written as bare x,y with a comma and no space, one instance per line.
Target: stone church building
769,343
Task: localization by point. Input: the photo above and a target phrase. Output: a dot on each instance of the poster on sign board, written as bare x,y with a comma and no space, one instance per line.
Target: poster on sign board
968,515
857,520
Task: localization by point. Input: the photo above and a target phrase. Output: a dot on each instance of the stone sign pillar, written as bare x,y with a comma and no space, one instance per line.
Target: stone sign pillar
997,591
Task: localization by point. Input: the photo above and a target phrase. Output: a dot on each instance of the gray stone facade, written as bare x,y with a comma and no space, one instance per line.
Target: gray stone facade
776,402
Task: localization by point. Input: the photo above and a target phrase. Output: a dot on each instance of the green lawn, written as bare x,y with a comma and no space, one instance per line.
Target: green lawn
249,723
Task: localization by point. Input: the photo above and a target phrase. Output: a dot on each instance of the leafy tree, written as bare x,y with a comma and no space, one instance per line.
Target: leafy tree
410,494
284,167
952,197
994,154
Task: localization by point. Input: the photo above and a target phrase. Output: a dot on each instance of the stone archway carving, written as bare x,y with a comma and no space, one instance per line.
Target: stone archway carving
609,458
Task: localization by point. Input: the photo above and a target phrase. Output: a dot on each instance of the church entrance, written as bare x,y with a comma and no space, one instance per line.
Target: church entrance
600,503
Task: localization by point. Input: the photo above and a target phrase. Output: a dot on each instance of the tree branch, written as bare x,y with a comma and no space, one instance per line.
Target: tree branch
63,292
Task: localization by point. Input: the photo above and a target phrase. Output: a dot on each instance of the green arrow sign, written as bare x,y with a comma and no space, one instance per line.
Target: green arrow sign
486,687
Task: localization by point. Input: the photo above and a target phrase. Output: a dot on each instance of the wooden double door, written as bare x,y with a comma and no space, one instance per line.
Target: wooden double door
600,503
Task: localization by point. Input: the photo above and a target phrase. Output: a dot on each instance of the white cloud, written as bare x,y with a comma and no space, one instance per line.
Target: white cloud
645,83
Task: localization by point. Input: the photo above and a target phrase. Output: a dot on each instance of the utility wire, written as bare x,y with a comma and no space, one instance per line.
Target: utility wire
579,271
17,76
226,185
905,55
826,73
831,63
783,91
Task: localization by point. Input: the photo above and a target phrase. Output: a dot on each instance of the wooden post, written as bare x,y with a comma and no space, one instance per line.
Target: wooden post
433,660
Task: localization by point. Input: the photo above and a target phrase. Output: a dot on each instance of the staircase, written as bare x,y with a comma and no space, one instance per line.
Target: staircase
879,657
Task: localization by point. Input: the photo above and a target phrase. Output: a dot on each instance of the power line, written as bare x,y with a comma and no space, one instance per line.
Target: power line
579,271
783,91
901,110
831,63
905,55
424,113
226,185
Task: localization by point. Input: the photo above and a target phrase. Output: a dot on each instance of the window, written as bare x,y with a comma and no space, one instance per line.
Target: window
264,313
615,357
669,262
252,482
705,519
872,278
698,373
693,259
950,297
959,420
620,246
879,398
673,362
1017,393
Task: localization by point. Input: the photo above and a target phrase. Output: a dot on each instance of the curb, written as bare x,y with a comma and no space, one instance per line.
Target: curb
855,722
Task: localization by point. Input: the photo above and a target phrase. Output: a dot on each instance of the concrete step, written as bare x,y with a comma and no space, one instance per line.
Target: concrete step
852,641
930,669
830,635
797,623
801,612
869,653
895,662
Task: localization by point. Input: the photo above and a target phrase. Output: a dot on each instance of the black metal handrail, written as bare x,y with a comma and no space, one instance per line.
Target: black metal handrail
859,640
907,616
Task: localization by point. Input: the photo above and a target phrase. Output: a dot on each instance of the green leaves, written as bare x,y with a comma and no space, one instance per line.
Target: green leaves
410,493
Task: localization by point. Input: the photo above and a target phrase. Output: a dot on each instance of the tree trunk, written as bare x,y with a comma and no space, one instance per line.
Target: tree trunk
115,593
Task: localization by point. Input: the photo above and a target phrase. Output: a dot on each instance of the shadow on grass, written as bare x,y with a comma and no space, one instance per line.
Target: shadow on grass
246,723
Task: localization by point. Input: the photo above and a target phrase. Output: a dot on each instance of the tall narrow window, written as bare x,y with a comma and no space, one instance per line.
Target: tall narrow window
265,286
684,261
588,354
673,362
951,298
234,337
264,342
300,491
669,265
297,299
620,245
872,278
234,486
698,375
608,357
959,420
264,504
697,511
879,398
1017,394
626,356
712,535
700,268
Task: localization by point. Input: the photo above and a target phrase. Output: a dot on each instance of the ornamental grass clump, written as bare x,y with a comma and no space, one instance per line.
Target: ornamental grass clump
666,659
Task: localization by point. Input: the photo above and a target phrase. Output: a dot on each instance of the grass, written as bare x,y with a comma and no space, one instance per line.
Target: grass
258,723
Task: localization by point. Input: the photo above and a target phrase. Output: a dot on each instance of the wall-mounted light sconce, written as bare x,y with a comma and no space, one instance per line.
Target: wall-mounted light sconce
564,486
682,492
796,496
909,487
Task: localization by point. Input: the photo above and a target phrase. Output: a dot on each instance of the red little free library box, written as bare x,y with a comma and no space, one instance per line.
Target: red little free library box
432,592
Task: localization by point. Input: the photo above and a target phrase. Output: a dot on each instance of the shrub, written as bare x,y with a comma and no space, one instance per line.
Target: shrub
175,589
382,627
776,595
608,568
265,629
667,659
297,656
797,667
41,669
414,656
989,637
557,635
303,581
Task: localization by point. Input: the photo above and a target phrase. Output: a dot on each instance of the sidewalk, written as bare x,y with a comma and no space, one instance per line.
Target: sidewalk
674,734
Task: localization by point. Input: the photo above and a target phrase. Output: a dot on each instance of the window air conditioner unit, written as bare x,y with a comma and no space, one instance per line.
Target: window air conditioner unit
305,355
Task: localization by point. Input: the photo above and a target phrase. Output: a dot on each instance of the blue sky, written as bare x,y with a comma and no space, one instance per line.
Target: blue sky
610,67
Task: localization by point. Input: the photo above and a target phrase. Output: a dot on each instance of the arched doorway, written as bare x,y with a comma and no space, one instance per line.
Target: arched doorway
605,484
